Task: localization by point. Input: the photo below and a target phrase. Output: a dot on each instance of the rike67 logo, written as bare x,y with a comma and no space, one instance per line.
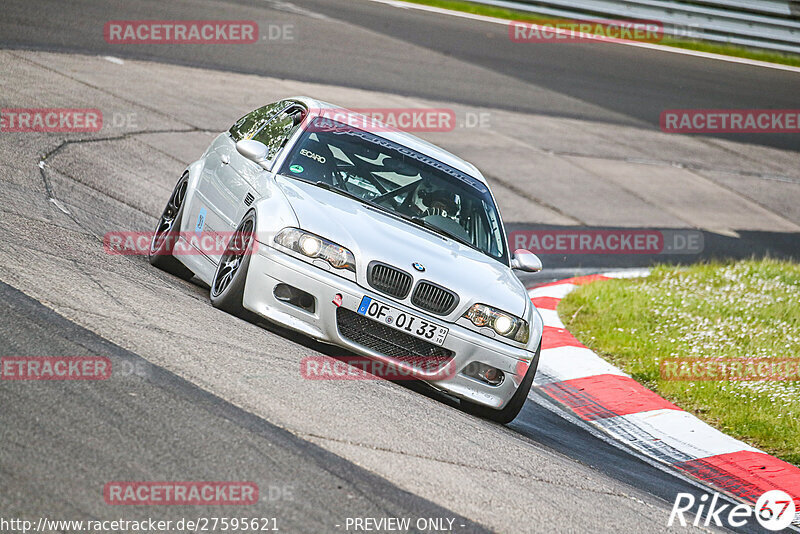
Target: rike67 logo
774,510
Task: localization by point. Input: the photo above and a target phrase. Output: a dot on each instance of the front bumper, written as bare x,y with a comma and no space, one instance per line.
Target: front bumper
270,267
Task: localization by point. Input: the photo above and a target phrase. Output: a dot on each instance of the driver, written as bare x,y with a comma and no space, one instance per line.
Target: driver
440,202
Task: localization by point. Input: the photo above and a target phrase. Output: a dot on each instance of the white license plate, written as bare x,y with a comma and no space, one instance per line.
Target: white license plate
400,320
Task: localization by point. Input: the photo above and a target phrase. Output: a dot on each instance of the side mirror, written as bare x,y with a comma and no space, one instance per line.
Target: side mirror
253,150
525,260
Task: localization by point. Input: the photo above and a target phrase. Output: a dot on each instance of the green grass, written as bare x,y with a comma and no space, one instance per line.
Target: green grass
747,309
691,44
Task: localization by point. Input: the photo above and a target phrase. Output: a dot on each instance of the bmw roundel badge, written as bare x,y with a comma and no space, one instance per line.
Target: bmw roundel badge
418,266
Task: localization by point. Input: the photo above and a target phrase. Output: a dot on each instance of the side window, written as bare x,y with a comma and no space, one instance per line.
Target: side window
275,133
251,123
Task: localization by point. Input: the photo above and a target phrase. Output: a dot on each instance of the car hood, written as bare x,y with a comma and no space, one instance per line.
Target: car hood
373,235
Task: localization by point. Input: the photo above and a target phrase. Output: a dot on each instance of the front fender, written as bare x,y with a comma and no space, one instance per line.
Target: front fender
194,170
273,213
536,325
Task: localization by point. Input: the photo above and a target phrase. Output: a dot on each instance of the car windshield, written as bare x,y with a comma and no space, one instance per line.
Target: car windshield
391,176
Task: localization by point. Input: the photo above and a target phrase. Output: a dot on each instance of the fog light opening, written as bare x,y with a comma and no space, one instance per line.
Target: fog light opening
485,373
295,297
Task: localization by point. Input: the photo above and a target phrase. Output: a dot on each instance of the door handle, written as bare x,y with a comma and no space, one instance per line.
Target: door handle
225,159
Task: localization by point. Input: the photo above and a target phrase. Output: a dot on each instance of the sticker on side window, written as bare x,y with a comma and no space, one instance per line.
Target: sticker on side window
311,155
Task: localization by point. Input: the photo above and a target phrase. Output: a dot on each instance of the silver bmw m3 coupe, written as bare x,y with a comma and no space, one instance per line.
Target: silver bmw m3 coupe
367,238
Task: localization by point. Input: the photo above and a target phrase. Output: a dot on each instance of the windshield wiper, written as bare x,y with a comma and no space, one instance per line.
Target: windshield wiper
348,194
343,192
433,228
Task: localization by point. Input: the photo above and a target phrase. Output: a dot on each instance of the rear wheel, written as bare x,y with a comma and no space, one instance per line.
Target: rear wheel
513,407
227,287
166,234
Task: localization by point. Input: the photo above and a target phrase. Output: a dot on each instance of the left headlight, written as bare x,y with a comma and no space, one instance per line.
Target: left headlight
313,246
501,322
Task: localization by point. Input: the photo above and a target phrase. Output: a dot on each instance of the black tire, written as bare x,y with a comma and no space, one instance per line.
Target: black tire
165,235
513,407
227,286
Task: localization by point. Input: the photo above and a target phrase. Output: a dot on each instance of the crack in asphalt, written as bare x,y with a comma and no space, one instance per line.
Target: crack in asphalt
67,142
87,209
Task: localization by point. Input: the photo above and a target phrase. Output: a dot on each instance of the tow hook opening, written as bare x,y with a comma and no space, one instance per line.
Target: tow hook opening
295,297
485,373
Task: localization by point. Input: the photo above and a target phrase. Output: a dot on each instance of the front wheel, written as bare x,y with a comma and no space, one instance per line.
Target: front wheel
163,242
513,407
227,286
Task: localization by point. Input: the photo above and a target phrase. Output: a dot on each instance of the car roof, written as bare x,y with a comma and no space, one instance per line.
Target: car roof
403,138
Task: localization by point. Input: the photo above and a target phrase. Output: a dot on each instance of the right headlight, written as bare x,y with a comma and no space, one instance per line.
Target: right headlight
503,323
313,246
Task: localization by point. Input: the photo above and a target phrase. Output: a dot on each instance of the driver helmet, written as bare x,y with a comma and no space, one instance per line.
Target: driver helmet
441,202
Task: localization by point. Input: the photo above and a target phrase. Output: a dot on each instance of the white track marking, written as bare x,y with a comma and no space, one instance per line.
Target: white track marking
661,48
569,363
686,433
550,318
557,291
628,273
288,7
676,429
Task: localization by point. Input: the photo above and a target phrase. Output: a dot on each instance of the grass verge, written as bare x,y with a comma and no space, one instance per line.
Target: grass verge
746,309
690,44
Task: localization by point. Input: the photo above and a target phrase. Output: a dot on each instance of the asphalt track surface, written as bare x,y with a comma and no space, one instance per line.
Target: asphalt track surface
412,52
190,411
174,428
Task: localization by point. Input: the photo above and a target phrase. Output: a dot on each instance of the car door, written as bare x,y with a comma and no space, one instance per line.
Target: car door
222,188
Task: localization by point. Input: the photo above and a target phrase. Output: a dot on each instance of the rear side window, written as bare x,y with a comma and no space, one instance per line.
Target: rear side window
271,125
275,133
251,123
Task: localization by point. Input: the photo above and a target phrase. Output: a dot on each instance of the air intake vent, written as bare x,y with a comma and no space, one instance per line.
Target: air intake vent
433,298
248,199
389,280
390,342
